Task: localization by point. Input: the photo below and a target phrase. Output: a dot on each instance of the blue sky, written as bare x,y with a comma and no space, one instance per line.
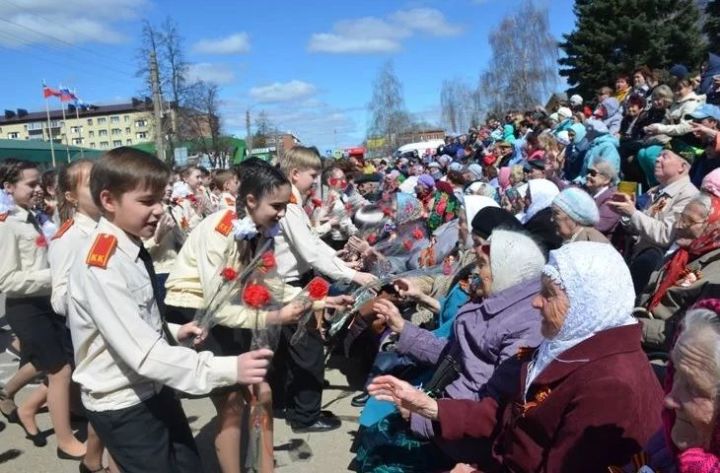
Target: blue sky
310,65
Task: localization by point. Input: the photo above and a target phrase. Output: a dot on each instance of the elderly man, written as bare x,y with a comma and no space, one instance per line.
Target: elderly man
654,225
705,124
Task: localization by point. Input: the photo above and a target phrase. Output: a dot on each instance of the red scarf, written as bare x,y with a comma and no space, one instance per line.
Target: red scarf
705,243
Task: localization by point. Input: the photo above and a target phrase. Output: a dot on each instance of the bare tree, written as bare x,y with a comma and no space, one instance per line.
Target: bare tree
458,105
203,122
265,129
523,68
388,116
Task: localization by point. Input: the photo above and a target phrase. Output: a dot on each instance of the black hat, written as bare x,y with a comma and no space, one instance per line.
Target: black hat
490,218
534,164
363,178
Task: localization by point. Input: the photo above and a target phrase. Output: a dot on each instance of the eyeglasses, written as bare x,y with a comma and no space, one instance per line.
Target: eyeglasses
684,221
592,172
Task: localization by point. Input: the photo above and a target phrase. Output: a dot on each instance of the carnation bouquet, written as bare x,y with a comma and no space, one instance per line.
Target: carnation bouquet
316,290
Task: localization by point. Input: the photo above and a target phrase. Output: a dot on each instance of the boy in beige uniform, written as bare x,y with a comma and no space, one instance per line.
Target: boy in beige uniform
124,360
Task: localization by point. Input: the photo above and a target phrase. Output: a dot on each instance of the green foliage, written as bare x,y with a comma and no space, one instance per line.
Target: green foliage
711,26
615,36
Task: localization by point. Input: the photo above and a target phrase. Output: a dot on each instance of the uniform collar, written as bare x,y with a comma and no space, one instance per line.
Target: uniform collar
127,244
297,195
20,213
84,222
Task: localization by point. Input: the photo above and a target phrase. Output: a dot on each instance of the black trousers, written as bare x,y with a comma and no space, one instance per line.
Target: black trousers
643,265
298,374
152,436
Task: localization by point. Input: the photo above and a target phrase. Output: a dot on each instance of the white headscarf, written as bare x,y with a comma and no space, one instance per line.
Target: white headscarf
600,291
542,193
514,258
475,203
180,190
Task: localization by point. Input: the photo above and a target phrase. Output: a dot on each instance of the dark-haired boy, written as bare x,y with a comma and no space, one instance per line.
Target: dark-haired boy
125,366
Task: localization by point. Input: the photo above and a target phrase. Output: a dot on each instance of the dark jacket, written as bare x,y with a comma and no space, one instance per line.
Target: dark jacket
582,416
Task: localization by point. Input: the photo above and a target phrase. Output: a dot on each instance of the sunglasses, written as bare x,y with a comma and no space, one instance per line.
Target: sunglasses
592,172
337,182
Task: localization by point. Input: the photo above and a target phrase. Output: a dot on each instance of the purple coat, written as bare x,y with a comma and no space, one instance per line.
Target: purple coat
485,334
608,218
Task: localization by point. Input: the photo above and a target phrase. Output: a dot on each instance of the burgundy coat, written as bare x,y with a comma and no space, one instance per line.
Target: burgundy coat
608,218
583,416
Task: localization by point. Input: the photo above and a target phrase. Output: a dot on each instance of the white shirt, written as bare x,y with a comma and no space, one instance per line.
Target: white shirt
64,249
24,267
298,249
121,355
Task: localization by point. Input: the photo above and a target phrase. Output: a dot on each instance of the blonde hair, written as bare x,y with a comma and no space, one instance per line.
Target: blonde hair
517,173
69,179
301,158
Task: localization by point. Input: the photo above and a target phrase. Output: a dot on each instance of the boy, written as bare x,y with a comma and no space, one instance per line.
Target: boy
124,360
299,252
226,185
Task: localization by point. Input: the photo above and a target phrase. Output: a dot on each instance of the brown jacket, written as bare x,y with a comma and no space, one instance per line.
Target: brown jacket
590,234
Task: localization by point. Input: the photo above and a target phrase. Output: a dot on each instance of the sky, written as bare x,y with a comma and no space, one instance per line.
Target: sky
309,65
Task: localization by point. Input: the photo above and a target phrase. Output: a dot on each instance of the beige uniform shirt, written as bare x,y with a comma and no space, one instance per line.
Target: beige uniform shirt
226,202
64,249
196,276
24,267
121,355
186,215
298,249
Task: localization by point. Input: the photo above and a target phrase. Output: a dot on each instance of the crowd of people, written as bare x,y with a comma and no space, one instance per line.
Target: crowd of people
538,294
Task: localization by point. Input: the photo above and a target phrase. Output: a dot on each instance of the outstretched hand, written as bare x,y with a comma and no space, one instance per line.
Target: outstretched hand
404,395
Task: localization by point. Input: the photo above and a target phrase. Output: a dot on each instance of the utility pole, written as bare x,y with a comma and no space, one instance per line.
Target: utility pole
157,107
249,140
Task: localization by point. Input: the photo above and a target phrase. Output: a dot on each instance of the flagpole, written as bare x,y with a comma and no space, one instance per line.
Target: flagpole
52,146
77,117
67,147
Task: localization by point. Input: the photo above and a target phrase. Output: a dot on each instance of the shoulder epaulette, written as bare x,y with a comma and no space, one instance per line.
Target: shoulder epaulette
224,226
63,228
101,250
293,199
4,216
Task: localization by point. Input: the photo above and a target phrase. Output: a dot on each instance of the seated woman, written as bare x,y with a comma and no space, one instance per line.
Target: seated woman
677,285
585,400
574,213
537,219
690,440
485,335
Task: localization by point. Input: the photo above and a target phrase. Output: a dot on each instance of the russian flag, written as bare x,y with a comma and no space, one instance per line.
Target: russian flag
49,92
66,95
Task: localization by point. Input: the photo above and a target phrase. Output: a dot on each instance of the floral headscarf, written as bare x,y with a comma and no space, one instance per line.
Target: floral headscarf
445,206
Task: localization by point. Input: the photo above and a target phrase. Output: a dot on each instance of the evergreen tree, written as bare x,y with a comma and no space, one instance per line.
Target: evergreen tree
711,26
615,36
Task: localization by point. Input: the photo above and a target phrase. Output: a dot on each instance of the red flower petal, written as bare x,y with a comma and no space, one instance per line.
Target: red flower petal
256,295
267,261
41,242
318,288
407,244
418,234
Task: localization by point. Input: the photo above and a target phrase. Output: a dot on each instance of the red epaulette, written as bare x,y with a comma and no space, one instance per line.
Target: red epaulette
4,216
101,250
224,226
293,199
63,228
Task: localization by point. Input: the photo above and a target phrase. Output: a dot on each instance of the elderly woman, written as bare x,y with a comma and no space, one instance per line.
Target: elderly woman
586,399
487,332
690,440
601,184
677,285
575,214
537,219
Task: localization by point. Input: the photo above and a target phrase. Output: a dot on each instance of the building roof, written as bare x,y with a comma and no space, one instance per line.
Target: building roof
93,110
38,151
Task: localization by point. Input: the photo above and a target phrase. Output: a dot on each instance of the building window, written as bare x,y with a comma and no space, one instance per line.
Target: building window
115,119
116,131
102,132
126,118
127,130
89,121
141,135
92,145
75,130
77,141
91,134
140,123
102,121
13,135
117,142
103,144
128,142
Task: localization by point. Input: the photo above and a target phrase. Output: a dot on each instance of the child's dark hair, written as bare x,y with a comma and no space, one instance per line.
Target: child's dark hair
11,170
328,172
68,179
257,179
48,180
125,169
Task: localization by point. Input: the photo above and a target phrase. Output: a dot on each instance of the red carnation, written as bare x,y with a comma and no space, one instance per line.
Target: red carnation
229,274
256,295
318,288
407,244
267,261
418,234
387,211
348,208
316,202
372,238
192,198
41,242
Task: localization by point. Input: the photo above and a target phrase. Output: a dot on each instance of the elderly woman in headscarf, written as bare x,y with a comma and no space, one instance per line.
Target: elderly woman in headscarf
585,400
444,206
575,214
487,332
678,283
537,218
424,190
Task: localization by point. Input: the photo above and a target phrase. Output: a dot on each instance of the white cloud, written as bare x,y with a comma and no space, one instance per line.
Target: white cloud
32,22
238,43
218,73
282,92
381,35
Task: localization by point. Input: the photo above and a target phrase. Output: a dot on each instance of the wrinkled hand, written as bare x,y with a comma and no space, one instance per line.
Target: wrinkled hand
165,225
699,128
253,366
463,468
404,395
364,279
653,129
407,288
622,204
388,313
191,329
339,302
358,245
292,312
